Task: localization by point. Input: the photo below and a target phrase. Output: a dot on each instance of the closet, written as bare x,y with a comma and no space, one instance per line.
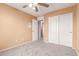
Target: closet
60,29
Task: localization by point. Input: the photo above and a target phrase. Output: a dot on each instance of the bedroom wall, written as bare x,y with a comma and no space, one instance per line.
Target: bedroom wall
14,27
77,17
58,12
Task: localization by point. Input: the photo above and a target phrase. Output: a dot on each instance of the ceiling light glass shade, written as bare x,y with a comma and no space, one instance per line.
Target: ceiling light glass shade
30,5
33,8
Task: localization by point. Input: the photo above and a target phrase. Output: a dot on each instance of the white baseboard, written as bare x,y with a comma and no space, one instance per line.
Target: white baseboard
15,46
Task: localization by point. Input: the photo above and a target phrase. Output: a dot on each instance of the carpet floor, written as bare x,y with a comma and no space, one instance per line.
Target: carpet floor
40,48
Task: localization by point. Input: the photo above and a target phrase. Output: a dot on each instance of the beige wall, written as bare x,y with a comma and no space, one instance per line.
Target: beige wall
14,27
77,17
58,12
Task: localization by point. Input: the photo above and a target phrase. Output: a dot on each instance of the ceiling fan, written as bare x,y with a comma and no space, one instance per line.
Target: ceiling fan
36,6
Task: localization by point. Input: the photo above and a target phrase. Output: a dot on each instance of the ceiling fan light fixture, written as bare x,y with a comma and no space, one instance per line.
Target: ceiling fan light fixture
36,6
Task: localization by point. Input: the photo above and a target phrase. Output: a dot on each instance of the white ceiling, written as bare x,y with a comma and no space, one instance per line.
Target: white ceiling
52,7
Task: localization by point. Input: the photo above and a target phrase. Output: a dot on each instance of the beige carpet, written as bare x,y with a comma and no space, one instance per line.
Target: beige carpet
39,48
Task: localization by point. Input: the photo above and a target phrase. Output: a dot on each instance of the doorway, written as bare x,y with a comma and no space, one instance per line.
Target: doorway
40,29
37,29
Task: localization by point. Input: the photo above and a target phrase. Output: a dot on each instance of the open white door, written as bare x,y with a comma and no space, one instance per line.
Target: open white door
34,30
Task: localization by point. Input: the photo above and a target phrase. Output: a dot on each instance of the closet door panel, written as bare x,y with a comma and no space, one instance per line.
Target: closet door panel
65,29
53,30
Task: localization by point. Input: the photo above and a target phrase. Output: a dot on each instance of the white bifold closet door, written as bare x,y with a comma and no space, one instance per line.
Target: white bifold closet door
60,29
53,29
65,29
